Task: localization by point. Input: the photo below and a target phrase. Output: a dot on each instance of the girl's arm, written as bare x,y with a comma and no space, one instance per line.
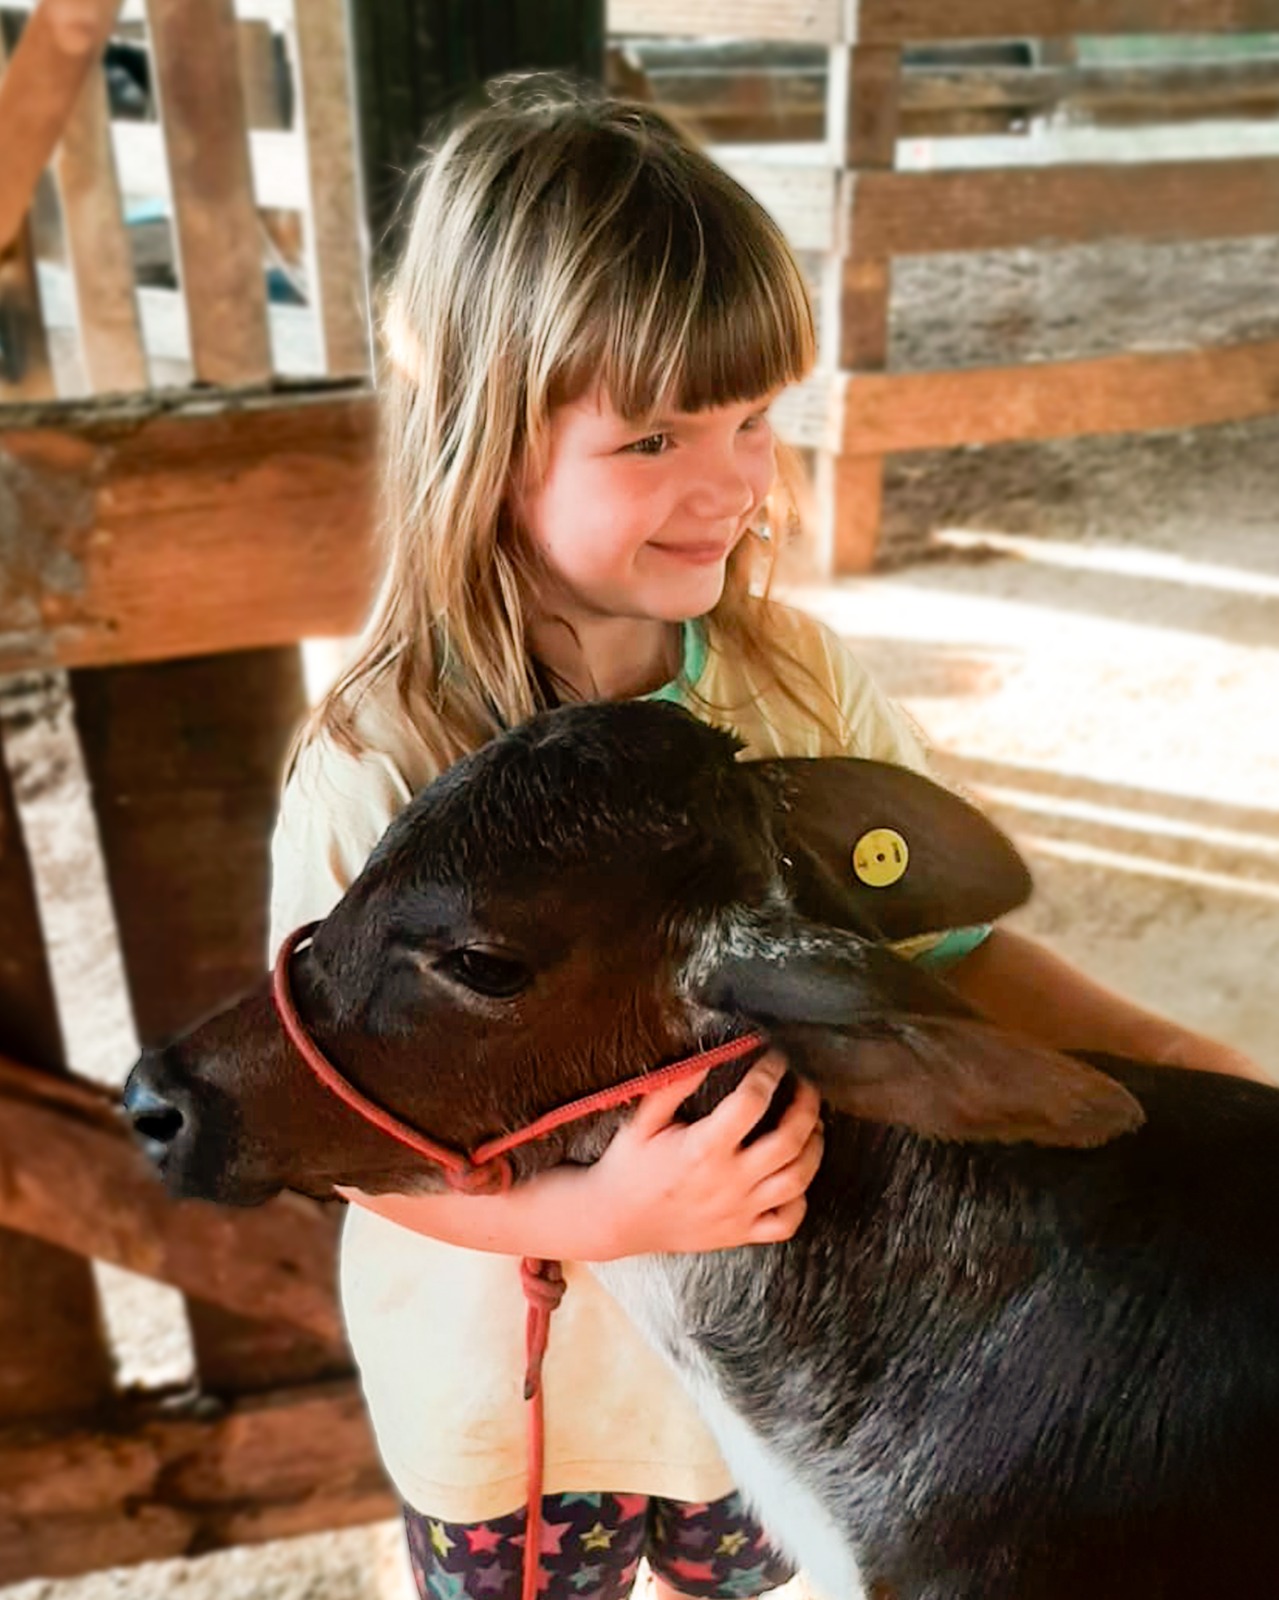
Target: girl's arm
1026,988
661,1186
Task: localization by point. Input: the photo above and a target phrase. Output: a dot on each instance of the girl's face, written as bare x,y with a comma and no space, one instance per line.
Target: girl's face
639,522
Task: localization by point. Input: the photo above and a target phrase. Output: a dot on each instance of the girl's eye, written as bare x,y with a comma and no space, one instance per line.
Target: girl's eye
485,972
656,444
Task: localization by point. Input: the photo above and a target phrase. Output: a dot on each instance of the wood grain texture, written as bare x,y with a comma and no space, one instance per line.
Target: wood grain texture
336,250
98,247
197,72
53,1354
186,1481
896,21
1166,202
185,761
891,412
153,529
902,21
75,1179
817,20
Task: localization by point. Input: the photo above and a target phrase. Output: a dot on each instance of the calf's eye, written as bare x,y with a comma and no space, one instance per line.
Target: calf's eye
496,976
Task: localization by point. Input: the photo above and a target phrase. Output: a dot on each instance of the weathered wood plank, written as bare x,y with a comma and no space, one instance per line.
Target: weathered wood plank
60,45
902,21
337,267
1166,91
185,760
53,1355
761,103
184,1483
74,1179
919,213
897,21
1056,400
818,20
202,109
98,247
148,530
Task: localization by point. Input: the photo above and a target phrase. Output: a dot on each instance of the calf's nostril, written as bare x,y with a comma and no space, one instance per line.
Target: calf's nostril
162,1126
153,1114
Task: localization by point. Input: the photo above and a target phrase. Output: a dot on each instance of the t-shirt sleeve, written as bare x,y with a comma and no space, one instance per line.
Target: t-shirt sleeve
873,726
877,728
334,809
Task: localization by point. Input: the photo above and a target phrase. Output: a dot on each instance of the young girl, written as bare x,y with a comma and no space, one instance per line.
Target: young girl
584,336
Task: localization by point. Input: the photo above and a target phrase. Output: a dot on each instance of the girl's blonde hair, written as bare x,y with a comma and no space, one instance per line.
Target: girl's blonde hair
558,240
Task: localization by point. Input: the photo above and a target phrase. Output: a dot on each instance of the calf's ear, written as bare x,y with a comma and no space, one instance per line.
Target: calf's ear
884,1041
883,851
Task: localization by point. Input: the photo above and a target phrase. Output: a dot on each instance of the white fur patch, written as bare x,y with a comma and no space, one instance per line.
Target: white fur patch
797,1523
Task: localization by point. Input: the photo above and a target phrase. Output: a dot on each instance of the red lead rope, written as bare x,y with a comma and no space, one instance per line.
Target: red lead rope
487,1171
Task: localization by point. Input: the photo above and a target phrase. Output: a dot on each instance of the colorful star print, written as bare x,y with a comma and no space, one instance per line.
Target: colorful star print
590,1547
750,1581
491,1579
446,1585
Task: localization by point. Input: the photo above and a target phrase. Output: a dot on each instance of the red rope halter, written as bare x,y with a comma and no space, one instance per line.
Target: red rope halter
487,1171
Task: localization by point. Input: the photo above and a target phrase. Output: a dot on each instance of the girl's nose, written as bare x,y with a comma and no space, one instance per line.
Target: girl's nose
722,490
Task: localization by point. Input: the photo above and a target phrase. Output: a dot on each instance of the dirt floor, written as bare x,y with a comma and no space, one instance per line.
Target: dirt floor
1088,632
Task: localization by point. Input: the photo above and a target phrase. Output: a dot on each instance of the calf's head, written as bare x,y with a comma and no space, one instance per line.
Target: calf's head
591,894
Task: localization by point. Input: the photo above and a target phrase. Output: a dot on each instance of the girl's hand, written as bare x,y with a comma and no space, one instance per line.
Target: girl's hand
666,1186
660,1186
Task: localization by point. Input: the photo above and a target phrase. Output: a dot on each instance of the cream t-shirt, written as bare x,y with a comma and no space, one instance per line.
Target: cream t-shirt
438,1331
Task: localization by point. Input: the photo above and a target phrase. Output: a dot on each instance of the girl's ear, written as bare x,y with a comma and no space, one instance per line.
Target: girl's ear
883,851
884,1041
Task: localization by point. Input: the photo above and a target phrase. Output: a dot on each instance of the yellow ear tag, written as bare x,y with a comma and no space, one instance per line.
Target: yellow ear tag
880,857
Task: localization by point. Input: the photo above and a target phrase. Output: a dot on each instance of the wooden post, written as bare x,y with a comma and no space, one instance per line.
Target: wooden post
53,1352
219,240
98,247
337,241
862,130
185,759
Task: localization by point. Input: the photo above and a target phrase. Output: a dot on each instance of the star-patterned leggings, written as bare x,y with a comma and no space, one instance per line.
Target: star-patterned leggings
591,1547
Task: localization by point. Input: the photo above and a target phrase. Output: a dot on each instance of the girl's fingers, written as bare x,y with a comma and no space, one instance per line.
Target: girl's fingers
791,1135
790,1182
657,1110
774,1226
735,1116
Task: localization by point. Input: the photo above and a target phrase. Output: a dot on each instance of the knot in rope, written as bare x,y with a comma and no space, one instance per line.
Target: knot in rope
486,1177
543,1283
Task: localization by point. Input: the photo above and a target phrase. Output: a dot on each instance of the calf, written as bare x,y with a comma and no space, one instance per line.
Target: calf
1025,1345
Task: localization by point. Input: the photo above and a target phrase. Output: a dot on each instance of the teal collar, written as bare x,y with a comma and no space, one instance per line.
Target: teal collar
695,651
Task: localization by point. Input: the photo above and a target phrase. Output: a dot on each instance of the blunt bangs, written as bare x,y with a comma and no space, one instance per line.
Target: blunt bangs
700,301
